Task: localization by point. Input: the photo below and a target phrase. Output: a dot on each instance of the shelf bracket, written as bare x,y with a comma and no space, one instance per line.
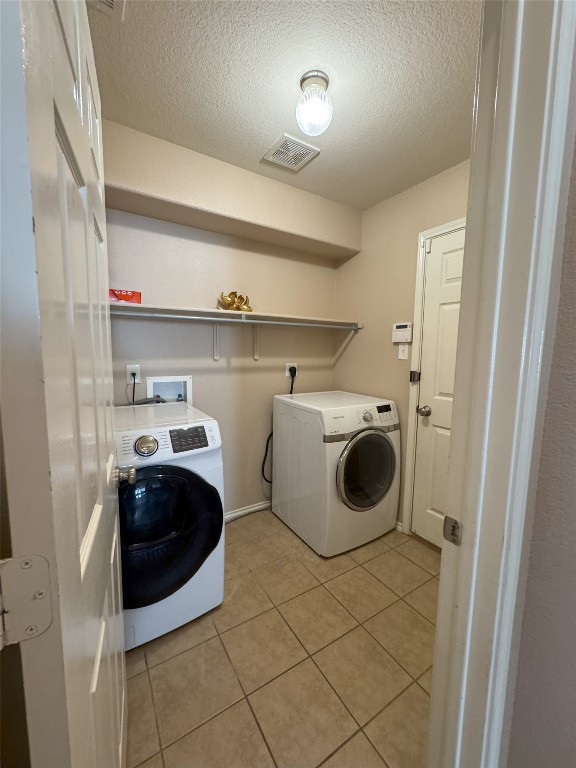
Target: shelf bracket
256,341
215,343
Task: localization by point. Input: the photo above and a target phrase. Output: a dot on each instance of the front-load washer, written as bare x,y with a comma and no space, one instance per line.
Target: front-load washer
336,468
171,517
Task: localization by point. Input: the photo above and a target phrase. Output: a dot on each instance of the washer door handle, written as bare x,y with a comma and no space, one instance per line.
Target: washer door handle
124,473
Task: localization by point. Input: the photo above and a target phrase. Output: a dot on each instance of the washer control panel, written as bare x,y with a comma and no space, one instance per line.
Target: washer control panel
188,439
146,445
159,444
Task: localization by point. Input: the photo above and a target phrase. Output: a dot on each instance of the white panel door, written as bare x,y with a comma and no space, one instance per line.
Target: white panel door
57,409
441,310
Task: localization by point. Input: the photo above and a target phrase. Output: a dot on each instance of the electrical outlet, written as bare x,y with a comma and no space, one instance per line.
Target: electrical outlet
130,369
290,365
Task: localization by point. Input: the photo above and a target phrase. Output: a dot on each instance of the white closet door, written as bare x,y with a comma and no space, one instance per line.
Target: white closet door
57,389
443,281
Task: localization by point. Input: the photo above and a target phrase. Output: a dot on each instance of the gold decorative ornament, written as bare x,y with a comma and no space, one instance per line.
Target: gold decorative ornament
234,301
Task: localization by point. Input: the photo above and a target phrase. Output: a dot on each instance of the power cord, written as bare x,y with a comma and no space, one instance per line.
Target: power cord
265,457
133,374
292,372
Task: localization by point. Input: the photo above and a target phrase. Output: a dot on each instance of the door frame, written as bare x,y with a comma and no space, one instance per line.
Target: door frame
523,148
414,392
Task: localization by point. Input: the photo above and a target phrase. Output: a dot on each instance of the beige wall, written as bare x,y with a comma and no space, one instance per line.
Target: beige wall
543,726
181,266
155,178
377,286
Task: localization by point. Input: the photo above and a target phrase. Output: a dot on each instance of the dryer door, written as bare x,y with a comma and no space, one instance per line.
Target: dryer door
171,519
365,470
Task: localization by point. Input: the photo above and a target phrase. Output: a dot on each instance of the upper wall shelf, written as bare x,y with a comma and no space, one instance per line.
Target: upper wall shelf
217,317
154,178
227,316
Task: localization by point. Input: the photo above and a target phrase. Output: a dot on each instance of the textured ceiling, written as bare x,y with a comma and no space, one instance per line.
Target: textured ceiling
222,78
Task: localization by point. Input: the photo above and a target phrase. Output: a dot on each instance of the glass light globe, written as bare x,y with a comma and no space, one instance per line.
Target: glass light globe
314,110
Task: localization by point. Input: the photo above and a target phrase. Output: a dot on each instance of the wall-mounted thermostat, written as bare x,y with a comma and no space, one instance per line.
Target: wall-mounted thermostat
402,333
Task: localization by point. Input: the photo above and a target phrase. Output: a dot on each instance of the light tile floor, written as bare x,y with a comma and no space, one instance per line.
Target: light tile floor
309,661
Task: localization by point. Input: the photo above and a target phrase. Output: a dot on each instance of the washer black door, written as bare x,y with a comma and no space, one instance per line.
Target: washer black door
171,519
365,470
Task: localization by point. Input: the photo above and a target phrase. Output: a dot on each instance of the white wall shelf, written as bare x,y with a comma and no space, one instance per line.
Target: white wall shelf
218,317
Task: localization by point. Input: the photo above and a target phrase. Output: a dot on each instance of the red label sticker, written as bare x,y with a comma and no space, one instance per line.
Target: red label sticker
132,297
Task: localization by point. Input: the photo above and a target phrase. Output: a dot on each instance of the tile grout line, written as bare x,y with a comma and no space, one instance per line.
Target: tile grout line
244,697
155,712
234,667
348,610
181,653
413,561
421,676
268,747
340,699
403,691
204,722
308,589
170,744
374,747
156,720
224,709
294,634
276,608
387,652
292,666
424,570
418,612
325,759
414,679
247,700
309,654
288,555
411,590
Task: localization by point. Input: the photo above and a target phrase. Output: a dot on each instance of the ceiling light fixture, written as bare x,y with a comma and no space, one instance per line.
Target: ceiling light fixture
314,108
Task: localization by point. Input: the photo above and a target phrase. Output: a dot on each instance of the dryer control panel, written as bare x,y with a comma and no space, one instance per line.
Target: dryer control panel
376,415
383,415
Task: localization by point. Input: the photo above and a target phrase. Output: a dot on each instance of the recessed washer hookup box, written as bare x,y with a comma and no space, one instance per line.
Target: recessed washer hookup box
172,388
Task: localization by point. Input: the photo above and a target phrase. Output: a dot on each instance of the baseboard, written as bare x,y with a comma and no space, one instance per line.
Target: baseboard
234,513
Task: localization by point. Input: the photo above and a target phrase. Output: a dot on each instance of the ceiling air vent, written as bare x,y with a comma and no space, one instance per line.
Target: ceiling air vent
291,153
114,8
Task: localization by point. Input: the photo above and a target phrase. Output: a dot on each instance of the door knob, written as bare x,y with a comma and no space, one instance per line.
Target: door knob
124,473
425,410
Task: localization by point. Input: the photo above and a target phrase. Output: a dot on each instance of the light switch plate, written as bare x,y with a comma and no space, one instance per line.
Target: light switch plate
402,351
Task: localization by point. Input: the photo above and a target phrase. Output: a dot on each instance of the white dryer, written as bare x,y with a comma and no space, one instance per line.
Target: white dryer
336,468
171,517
